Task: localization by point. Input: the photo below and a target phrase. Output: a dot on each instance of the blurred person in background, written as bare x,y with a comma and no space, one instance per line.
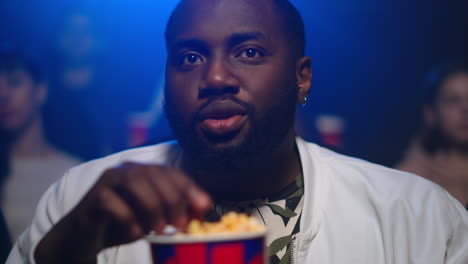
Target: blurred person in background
31,162
78,47
84,87
440,150
5,242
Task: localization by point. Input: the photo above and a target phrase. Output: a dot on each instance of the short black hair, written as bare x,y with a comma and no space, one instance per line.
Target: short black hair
293,23
12,59
436,78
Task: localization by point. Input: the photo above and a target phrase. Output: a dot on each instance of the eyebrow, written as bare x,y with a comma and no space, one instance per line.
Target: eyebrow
234,39
238,38
192,43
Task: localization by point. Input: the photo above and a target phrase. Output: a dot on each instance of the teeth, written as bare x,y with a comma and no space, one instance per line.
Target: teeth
220,117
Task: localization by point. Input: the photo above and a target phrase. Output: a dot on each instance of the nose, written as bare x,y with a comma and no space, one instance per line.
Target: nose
218,80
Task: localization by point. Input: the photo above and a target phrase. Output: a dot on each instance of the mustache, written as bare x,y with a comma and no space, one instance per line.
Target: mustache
248,107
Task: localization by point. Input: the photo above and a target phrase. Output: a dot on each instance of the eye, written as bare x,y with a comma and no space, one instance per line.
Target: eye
191,59
251,53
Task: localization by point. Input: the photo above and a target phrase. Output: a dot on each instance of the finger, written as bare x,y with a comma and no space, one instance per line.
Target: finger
172,196
144,199
200,201
122,227
116,175
195,200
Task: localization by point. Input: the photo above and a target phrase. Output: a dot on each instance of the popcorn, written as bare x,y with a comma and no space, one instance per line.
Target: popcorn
231,222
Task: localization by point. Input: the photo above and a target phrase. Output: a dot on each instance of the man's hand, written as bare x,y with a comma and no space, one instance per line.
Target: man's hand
124,205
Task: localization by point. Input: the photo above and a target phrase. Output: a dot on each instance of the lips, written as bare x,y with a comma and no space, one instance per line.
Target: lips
222,117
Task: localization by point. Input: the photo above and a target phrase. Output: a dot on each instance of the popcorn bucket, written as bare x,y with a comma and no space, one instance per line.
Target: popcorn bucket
238,248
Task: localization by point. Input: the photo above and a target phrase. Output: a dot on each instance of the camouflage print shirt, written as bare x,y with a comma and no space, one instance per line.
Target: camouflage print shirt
281,215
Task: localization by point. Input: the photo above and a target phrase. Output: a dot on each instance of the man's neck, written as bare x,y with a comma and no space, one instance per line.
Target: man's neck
452,172
271,175
454,154
31,142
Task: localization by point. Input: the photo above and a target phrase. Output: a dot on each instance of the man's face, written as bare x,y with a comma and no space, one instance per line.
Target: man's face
450,111
20,100
230,77
77,40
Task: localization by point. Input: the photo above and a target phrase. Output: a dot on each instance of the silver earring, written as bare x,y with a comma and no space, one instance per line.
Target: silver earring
305,101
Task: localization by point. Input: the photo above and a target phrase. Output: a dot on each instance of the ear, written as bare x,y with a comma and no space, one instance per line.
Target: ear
304,78
429,116
41,95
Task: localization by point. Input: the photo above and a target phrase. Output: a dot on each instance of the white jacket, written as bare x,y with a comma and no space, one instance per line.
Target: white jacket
354,212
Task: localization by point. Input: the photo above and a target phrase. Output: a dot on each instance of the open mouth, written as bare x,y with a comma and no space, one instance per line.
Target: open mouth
222,118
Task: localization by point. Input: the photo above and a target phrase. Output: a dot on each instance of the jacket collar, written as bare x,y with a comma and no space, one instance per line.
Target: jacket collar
315,188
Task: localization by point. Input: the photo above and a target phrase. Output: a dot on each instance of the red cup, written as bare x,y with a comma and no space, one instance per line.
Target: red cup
238,248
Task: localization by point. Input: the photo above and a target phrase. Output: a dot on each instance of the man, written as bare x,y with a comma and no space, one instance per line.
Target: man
33,162
234,73
440,152
79,83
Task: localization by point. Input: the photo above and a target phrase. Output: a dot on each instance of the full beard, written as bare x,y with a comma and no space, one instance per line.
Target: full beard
235,161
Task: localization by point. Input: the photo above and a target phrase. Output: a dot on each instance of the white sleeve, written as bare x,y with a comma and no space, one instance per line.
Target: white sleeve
48,212
457,251
65,194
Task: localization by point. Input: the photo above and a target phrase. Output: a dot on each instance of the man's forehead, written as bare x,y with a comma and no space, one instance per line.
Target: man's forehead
229,3
225,15
457,82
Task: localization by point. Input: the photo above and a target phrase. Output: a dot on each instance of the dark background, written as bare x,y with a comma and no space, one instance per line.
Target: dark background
369,57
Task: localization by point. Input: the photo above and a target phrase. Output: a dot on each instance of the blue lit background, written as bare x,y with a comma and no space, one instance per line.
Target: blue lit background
368,57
